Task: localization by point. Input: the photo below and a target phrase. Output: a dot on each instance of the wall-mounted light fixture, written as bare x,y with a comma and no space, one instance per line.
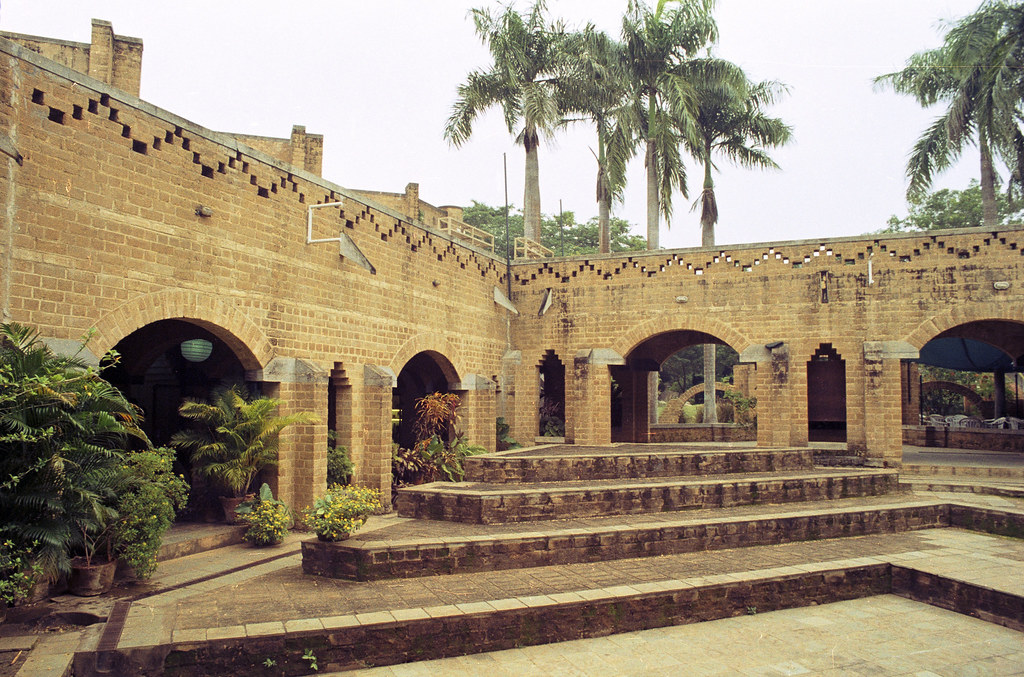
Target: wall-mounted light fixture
204,211
196,350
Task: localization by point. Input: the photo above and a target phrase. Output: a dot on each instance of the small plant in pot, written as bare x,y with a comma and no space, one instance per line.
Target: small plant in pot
234,438
268,518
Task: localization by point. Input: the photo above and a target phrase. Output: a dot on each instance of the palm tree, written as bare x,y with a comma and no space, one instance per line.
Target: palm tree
655,45
235,437
729,119
524,81
977,73
596,88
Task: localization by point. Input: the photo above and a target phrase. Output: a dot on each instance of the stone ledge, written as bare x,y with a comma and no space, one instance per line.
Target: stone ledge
994,606
377,560
486,505
543,468
609,610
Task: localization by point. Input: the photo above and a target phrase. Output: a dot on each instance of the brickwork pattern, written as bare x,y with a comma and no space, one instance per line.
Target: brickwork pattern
103,227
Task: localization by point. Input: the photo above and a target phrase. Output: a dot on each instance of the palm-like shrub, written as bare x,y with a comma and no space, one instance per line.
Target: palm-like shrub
62,432
235,437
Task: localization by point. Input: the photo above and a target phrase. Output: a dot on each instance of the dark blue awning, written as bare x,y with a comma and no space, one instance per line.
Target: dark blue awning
965,355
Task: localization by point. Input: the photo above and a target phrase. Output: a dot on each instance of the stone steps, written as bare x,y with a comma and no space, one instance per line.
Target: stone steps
482,503
626,461
389,553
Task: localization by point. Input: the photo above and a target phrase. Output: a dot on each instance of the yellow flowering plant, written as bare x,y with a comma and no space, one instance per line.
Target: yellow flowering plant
268,518
341,511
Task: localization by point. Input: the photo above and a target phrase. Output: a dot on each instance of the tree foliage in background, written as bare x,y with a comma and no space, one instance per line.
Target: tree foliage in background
948,208
978,75
685,369
575,238
529,58
656,44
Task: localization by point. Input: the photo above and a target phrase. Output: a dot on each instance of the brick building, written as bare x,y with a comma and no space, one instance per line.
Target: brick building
123,217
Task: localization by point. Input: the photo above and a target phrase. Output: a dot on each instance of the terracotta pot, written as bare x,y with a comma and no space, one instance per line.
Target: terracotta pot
91,580
229,503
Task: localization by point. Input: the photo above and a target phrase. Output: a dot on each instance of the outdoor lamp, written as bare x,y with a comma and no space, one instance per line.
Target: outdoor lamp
196,350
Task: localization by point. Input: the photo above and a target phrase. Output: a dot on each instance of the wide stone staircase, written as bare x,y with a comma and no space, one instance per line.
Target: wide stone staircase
566,504
555,543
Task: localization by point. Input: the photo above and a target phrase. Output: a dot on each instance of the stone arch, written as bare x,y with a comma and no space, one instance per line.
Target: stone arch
958,388
699,388
225,321
963,314
661,325
450,362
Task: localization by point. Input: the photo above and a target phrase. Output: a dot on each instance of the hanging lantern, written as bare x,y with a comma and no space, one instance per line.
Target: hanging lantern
196,350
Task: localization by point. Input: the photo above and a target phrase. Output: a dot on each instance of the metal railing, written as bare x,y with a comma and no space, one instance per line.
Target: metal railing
530,249
467,233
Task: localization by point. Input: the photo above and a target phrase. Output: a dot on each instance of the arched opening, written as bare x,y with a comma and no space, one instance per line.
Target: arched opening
826,396
167,361
425,373
164,363
981,362
677,358
551,384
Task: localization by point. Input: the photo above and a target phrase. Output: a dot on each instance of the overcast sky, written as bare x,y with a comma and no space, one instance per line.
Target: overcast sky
378,77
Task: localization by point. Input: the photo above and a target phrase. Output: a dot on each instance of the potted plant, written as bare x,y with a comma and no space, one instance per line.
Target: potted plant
234,439
62,432
268,518
341,511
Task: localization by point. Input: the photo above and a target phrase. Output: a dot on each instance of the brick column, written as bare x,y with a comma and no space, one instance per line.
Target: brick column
369,439
910,393
882,406
588,411
302,452
526,404
774,392
477,411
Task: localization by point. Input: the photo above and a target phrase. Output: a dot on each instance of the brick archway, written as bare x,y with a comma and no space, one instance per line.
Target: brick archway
963,314
960,389
225,321
450,363
645,330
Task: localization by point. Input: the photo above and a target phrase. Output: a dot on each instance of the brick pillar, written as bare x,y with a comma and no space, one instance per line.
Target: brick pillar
302,456
910,393
302,452
477,411
882,402
588,410
526,404
298,146
369,429
101,52
775,394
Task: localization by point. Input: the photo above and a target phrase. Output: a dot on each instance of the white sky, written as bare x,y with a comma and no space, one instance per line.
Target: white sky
378,77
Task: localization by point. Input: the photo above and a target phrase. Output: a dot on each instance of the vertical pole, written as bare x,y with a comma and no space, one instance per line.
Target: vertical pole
508,240
561,227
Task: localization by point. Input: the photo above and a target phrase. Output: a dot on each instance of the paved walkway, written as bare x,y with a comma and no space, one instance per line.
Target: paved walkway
884,635
239,590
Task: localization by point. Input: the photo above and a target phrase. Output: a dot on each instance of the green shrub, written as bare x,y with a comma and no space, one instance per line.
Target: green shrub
147,507
341,511
339,465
